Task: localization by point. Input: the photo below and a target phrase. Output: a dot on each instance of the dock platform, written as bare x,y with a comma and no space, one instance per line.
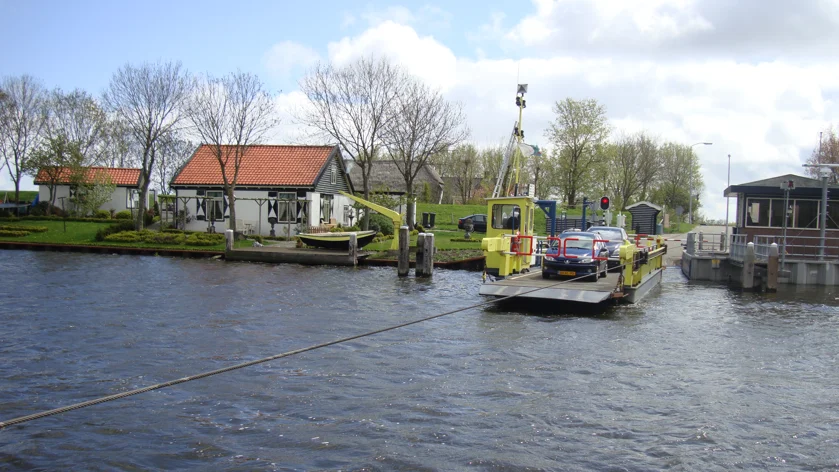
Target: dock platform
532,285
306,256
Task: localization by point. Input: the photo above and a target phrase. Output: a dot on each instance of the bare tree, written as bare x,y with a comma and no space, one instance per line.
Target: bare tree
120,146
77,118
580,126
148,100
464,167
172,154
229,115
826,152
352,105
22,126
424,124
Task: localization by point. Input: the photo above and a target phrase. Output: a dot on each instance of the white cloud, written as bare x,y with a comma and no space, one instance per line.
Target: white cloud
423,56
766,113
288,57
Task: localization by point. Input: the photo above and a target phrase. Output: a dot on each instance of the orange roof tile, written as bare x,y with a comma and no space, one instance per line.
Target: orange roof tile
273,165
119,175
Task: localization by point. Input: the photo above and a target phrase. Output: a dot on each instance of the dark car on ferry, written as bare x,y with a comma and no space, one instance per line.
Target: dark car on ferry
479,223
617,237
576,254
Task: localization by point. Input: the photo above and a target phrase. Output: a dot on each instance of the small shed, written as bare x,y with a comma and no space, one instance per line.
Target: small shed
644,217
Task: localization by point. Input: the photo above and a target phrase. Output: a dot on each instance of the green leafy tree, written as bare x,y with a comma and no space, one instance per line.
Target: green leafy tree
22,125
54,161
579,127
91,187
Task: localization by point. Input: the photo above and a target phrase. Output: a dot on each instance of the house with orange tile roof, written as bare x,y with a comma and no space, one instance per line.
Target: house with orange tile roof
299,186
123,197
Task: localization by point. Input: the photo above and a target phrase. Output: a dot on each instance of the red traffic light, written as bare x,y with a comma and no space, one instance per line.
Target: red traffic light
604,203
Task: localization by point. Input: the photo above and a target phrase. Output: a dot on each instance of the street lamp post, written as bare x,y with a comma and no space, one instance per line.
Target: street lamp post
690,169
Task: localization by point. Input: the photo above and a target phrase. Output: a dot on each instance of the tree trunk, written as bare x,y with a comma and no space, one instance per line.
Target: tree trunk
365,182
231,205
409,212
144,198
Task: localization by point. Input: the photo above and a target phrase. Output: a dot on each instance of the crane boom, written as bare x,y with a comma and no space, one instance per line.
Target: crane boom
505,163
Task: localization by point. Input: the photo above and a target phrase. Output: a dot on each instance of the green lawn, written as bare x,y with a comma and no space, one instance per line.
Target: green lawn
25,195
83,232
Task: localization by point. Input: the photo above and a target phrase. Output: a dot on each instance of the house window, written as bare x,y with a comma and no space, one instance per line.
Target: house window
287,207
325,208
215,205
132,198
333,175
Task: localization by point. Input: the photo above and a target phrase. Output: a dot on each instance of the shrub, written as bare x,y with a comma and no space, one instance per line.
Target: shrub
102,214
148,218
204,239
419,228
123,215
125,237
381,224
164,238
414,233
257,238
124,225
27,229
12,234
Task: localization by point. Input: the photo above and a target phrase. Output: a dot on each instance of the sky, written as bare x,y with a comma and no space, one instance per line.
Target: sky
754,77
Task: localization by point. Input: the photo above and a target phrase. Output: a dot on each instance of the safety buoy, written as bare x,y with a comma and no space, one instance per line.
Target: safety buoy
514,244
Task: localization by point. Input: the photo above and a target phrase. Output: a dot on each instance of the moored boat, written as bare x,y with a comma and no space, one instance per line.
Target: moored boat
336,240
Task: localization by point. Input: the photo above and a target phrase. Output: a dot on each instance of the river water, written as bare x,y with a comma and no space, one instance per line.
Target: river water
696,377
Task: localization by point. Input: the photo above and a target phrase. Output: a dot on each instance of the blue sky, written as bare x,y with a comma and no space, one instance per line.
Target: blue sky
81,43
758,78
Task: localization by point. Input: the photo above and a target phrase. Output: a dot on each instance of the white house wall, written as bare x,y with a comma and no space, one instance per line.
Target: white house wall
117,202
247,212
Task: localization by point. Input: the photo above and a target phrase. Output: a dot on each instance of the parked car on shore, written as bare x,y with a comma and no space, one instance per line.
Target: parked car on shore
576,254
479,223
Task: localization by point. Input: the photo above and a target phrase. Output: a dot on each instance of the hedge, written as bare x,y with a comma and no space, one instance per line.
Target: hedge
153,237
12,219
13,234
27,229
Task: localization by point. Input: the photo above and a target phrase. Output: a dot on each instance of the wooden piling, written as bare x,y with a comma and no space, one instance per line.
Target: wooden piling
701,240
353,252
425,255
748,277
772,269
723,242
404,261
229,238
690,246
419,269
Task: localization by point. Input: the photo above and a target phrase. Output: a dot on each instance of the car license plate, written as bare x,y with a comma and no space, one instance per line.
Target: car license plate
567,272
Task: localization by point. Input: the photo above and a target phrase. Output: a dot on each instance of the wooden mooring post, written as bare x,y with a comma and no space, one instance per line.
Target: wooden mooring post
404,262
748,278
229,238
772,269
353,253
425,255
